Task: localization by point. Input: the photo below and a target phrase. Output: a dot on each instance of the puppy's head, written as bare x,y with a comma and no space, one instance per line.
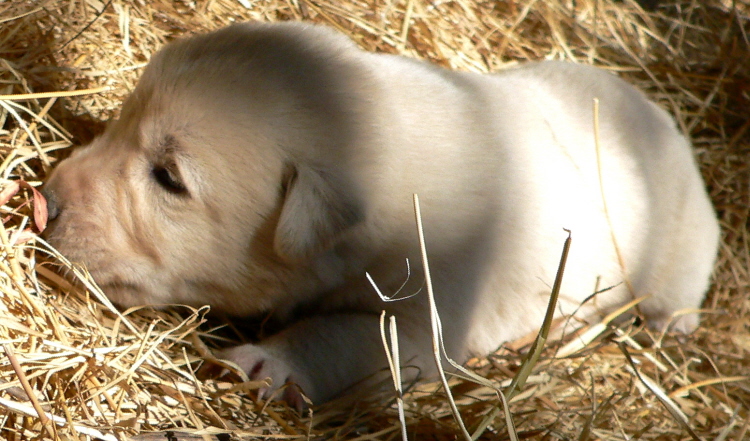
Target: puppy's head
224,178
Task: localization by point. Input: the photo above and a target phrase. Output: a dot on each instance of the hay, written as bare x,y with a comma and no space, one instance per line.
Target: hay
73,367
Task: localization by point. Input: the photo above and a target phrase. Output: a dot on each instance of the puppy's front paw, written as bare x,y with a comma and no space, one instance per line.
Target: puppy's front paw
260,363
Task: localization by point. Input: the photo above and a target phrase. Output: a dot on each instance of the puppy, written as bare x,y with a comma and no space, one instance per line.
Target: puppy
266,168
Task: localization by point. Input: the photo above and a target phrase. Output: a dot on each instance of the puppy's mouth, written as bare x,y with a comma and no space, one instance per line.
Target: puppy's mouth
121,292
124,292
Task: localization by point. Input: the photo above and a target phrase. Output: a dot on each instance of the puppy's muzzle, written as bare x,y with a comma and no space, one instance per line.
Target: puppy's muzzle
54,207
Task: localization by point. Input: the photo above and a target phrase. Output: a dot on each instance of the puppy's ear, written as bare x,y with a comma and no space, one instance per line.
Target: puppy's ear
317,209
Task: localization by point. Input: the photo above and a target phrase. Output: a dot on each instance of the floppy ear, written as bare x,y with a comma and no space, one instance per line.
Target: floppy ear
317,209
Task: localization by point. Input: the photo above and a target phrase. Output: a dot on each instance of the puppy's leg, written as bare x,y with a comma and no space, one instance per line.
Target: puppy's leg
323,355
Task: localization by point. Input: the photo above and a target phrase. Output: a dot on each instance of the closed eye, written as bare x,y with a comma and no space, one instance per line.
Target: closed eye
169,179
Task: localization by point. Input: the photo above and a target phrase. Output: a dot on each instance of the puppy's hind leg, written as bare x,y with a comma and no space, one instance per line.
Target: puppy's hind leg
679,279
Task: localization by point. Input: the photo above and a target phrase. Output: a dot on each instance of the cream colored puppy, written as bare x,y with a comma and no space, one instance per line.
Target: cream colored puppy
265,168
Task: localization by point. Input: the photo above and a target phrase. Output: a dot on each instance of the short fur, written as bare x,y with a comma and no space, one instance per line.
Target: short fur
265,168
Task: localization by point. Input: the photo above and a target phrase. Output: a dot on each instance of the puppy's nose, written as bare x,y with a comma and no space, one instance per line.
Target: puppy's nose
53,206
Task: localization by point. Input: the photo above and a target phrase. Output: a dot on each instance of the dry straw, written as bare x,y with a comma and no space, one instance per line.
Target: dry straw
75,368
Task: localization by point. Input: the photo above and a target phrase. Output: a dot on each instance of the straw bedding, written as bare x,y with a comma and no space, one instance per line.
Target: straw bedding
74,367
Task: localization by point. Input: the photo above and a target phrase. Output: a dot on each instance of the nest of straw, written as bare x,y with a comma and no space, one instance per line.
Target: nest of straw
74,367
